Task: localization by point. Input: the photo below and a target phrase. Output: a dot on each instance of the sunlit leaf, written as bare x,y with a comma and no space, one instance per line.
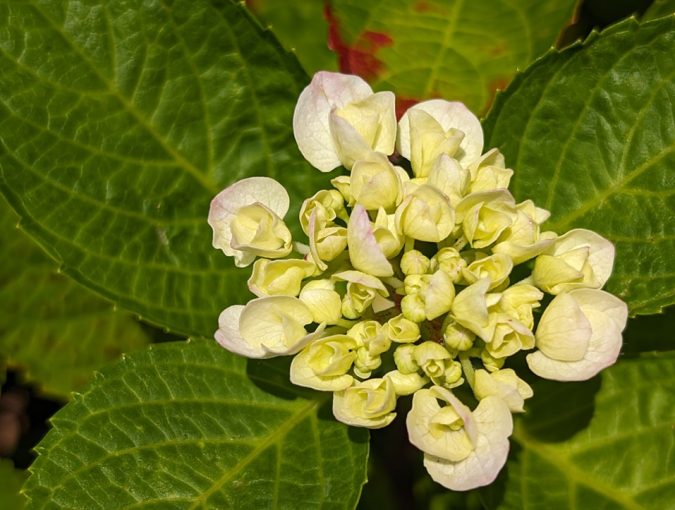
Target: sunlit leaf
189,425
119,122
590,133
457,50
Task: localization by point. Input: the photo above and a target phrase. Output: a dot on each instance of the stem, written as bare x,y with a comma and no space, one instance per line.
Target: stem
346,323
467,367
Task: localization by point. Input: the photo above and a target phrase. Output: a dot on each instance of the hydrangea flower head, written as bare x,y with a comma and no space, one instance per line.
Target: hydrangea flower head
409,262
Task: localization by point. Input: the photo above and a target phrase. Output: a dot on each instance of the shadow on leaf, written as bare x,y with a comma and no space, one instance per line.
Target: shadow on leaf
559,410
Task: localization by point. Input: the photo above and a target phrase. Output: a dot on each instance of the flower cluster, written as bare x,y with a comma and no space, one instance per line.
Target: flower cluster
405,286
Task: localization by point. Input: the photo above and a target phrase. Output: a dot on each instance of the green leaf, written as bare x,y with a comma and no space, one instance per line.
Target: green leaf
590,133
52,329
650,333
606,443
189,425
658,9
121,120
459,50
301,27
10,484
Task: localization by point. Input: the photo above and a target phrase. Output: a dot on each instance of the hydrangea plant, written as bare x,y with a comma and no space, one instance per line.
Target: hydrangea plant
432,248
405,284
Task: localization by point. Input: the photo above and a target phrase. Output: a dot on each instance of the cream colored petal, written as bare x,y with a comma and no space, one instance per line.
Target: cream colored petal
276,324
245,192
374,118
311,126
606,315
349,144
495,425
229,337
563,331
448,115
364,252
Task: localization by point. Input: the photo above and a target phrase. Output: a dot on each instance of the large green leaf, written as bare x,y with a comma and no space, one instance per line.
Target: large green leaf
590,132
52,329
607,443
10,483
301,27
189,425
658,9
460,50
119,121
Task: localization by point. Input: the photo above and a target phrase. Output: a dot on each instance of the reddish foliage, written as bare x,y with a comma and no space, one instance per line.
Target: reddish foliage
402,105
360,57
423,6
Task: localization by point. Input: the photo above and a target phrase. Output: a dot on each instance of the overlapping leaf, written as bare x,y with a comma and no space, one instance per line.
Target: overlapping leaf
121,120
188,425
300,26
56,332
590,133
606,443
659,8
458,50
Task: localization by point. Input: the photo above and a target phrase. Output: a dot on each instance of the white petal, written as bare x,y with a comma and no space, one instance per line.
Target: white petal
311,128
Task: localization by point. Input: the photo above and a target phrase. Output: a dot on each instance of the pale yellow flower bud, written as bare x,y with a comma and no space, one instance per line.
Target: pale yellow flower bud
327,205
323,364
386,234
362,291
368,404
435,361
489,173
259,231
414,262
519,300
325,244
578,259
262,227
485,215
279,277
428,141
470,308
522,240
509,337
450,178
375,183
437,294
449,261
406,384
343,184
491,363
496,268
504,384
322,300
426,215
412,307
364,126
401,330
404,357
457,337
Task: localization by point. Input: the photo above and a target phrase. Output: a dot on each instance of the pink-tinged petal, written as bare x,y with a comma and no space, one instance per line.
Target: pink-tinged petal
228,335
364,252
449,115
311,127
